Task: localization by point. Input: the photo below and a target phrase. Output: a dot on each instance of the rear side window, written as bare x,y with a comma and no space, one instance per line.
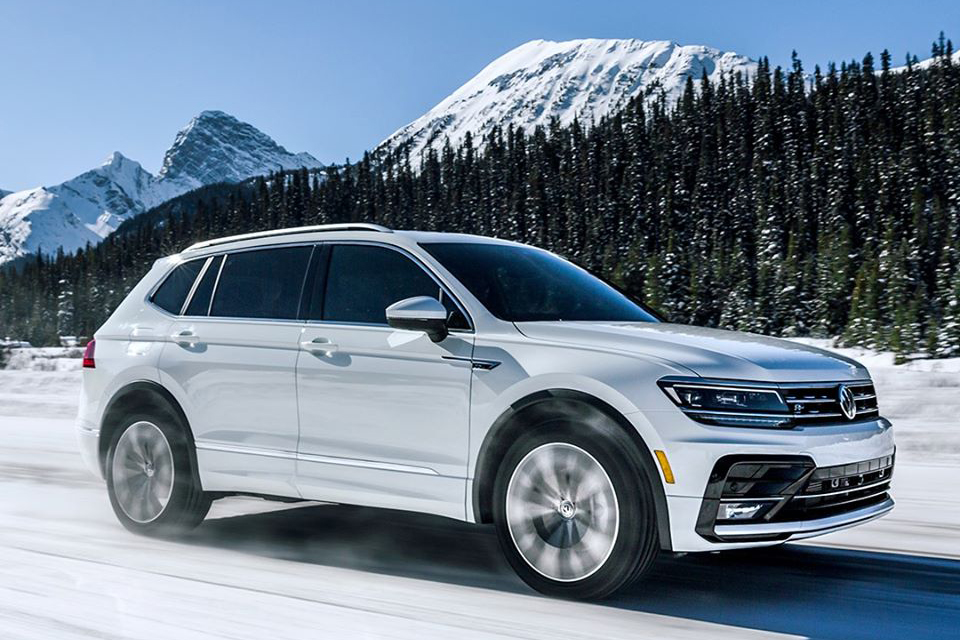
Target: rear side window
200,302
261,284
171,295
362,281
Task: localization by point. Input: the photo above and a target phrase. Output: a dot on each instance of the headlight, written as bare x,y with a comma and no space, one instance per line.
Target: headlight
729,404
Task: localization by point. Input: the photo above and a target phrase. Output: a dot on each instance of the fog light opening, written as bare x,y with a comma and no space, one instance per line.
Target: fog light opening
740,510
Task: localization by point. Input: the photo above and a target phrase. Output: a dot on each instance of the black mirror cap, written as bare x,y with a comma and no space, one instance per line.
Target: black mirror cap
435,328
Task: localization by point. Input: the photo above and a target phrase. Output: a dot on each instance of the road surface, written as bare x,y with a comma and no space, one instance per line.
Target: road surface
263,570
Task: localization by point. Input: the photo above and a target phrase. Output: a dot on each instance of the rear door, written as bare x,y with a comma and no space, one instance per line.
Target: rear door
384,414
232,358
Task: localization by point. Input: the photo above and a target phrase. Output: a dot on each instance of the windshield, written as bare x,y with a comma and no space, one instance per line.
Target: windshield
523,284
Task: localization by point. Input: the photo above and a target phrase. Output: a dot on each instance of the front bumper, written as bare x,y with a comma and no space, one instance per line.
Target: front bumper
695,449
789,496
805,528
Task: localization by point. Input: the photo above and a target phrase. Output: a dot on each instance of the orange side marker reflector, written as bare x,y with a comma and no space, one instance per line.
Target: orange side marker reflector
665,465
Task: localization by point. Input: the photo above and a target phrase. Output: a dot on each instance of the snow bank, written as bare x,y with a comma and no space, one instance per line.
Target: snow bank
885,359
43,359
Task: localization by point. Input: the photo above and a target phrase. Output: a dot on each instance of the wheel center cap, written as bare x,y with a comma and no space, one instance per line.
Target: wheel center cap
567,509
148,469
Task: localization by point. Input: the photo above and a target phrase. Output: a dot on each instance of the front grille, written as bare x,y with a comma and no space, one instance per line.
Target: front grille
790,489
820,404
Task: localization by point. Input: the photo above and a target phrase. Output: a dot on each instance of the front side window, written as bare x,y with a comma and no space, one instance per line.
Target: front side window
363,280
171,295
523,284
261,284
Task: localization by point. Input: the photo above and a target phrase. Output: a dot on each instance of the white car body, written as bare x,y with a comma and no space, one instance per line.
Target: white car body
389,418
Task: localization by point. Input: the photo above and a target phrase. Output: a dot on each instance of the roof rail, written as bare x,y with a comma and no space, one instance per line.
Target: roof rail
316,228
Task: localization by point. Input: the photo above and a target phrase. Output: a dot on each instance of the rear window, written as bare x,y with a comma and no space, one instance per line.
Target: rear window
261,284
171,295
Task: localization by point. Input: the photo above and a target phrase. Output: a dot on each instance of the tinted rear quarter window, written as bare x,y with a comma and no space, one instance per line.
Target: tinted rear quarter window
261,284
171,295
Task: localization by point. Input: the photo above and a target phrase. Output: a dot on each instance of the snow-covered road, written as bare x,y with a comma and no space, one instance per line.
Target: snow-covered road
265,571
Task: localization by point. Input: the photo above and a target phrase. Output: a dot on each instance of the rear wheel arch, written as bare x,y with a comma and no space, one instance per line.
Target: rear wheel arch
143,396
543,406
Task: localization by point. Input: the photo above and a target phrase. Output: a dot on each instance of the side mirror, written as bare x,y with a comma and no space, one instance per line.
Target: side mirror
421,313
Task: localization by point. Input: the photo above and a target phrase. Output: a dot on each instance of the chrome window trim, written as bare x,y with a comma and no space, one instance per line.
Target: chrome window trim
302,243
193,288
216,283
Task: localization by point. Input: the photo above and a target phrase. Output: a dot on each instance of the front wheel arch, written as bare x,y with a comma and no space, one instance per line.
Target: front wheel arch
540,407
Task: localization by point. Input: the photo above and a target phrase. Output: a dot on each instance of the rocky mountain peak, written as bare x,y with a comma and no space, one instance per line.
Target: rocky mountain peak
216,147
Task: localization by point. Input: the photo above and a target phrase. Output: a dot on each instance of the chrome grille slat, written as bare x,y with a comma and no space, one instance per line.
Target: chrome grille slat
842,491
820,402
840,503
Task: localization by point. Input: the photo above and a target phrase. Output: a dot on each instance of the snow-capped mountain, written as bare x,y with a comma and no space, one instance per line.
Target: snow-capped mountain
583,79
926,64
214,147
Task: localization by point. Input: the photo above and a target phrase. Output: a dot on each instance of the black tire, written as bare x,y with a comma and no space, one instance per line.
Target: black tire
186,505
635,544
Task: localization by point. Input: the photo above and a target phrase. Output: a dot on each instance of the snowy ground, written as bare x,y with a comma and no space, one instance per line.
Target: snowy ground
253,570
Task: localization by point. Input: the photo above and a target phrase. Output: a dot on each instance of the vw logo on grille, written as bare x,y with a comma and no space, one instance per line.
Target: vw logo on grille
848,404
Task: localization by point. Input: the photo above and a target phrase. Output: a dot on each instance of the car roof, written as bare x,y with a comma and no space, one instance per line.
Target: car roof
345,231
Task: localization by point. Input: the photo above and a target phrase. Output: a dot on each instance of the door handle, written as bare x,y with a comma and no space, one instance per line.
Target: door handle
185,338
322,346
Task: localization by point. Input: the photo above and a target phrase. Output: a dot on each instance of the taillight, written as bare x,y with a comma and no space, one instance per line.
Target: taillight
88,360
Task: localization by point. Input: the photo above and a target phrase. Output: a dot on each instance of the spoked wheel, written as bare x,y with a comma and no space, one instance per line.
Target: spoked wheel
562,512
143,472
574,512
153,489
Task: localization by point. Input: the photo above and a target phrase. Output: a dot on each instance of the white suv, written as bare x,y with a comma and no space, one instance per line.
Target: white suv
477,379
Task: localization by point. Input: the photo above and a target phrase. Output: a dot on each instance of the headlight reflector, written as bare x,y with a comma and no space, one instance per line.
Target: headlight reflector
729,404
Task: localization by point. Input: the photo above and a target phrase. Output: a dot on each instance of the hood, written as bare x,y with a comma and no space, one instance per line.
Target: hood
710,353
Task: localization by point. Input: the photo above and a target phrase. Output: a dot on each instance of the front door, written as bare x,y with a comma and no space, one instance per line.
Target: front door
384,413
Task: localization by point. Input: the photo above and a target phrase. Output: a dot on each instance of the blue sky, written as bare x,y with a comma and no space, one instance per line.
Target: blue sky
79,80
